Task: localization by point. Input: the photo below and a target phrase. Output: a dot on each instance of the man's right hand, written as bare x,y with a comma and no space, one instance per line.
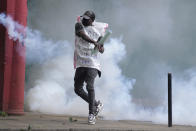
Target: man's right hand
99,47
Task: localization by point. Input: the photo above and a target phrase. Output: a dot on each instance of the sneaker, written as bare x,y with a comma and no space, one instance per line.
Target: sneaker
91,119
99,107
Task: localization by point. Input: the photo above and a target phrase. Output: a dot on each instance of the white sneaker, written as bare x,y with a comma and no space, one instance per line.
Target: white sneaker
91,119
99,107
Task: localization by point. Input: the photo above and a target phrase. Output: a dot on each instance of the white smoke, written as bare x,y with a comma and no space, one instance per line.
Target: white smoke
183,99
14,29
38,49
51,76
49,87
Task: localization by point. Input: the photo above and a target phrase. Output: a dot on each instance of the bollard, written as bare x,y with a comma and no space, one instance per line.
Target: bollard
169,100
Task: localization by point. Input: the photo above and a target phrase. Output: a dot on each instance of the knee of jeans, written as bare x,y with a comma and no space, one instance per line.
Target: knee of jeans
77,91
76,87
90,88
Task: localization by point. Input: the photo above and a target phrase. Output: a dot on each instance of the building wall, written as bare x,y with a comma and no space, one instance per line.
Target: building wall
12,64
3,5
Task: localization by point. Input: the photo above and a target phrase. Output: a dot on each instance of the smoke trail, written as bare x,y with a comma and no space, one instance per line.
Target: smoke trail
15,30
38,49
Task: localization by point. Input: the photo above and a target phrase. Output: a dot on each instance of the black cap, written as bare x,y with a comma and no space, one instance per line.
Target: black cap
89,15
86,17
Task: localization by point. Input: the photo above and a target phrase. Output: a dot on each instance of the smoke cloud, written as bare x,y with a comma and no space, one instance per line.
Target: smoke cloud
157,38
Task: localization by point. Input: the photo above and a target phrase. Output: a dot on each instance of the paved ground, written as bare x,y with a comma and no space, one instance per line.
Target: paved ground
42,122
